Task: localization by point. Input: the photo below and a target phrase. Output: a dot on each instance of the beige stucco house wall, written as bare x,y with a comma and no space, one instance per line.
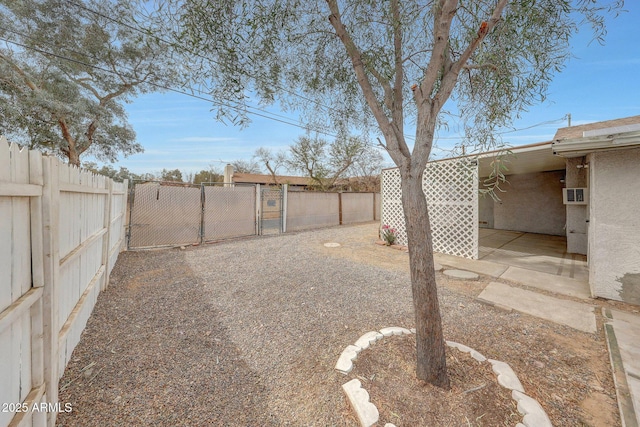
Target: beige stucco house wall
614,234
605,158
602,157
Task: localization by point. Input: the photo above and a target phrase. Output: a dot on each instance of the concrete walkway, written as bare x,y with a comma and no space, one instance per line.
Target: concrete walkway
623,339
565,279
565,312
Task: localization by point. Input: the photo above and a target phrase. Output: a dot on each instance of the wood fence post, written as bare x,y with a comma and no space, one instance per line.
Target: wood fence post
37,271
125,217
106,248
285,193
258,210
51,264
373,198
340,208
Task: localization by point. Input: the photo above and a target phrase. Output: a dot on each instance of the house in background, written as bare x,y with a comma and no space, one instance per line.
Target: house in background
295,183
365,184
584,186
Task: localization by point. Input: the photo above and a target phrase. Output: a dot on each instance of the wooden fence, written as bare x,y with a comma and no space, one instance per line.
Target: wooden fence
61,230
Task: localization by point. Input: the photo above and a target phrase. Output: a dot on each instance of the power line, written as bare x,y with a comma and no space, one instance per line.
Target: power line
182,47
96,67
261,113
455,138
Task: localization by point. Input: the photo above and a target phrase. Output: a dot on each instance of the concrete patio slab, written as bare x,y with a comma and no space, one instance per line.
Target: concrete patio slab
548,282
531,251
481,267
574,314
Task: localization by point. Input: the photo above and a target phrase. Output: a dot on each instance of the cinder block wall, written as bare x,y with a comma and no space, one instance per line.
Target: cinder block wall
532,203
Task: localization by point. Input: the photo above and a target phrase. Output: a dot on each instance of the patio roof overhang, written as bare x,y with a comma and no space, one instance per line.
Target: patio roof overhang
598,140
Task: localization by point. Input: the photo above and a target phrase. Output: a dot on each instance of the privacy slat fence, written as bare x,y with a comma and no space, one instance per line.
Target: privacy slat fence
307,210
61,230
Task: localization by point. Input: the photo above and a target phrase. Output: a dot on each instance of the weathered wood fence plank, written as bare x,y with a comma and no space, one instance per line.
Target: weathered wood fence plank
61,230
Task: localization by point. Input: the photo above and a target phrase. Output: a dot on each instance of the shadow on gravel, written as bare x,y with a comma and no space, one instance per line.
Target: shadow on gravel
155,353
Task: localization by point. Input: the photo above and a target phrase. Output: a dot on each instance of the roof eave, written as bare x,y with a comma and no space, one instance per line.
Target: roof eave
577,147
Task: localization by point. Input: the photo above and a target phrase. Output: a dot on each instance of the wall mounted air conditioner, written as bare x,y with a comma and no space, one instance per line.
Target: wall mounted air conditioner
575,196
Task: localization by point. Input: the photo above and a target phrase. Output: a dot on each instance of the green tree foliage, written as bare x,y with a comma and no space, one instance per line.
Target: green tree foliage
271,161
66,72
108,170
386,64
171,175
323,162
211,175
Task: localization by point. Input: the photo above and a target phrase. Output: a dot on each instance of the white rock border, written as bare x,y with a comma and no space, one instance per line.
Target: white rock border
367,413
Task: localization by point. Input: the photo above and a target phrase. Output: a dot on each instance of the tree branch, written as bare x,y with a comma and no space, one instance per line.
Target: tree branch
388,93
25,77
451,75
480,66
443,16
81,82
397,110
123,89
417,52
397,150
358,65
66,134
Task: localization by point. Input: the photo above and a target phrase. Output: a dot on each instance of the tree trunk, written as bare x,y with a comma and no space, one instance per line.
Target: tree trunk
430,345
74,156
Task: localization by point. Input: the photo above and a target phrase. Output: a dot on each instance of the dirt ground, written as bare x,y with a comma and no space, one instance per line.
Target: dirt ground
248,333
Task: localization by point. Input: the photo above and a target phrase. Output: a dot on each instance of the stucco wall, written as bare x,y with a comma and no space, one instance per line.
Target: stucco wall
532,203
577,215
614,228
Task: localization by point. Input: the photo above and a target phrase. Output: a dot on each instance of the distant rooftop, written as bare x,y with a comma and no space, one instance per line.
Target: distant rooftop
608,127
255,178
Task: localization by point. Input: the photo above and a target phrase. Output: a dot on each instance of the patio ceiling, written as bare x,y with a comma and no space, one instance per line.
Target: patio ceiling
526,159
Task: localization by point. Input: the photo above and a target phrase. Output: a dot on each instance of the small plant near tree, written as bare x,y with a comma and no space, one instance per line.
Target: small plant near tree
388,235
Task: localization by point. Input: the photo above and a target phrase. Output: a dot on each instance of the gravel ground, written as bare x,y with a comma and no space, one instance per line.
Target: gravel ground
248,332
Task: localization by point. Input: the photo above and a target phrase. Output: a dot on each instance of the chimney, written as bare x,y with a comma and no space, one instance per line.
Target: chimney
228,175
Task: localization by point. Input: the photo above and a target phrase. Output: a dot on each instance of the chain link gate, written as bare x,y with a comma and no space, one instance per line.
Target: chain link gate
229,211
171,214
164,214
271,210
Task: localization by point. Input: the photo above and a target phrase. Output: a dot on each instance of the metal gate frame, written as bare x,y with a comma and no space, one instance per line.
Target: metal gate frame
239,215
279,194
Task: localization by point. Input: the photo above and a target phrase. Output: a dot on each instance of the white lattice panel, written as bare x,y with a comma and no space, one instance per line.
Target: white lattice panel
392,213
451,187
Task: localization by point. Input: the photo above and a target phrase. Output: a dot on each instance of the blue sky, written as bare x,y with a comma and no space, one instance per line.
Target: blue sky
599,83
